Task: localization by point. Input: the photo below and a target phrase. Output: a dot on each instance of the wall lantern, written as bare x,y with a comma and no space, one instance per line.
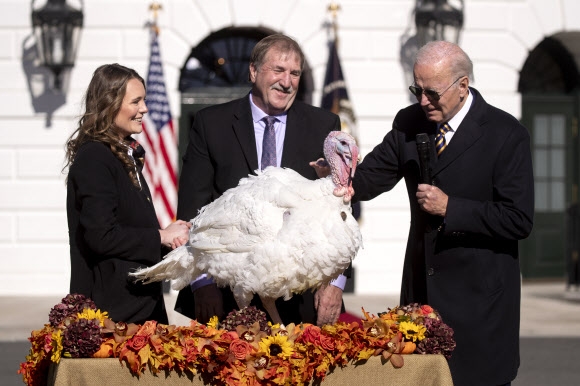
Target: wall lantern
438,20
57,27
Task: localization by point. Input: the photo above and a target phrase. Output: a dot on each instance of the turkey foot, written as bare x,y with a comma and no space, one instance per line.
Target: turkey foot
270,306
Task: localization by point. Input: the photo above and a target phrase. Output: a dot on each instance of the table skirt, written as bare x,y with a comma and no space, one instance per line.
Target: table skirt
425,370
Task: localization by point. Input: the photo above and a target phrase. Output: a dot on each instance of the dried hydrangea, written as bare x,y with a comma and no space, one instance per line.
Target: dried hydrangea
438,339
82,338
246,317
70,306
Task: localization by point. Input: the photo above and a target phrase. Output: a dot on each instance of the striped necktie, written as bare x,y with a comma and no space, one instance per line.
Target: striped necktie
269,143
440,143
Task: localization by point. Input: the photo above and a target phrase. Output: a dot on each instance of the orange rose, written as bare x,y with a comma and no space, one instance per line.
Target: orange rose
326,342
240,349
229,336
426,309
311,334
148,328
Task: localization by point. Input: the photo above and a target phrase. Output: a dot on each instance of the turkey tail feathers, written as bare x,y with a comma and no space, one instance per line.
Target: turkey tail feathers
172,267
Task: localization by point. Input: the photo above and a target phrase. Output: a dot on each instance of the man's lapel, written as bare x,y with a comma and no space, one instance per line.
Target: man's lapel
293,138
469,132
244,129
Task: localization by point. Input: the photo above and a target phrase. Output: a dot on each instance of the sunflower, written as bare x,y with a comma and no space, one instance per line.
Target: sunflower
276,346
92,314
412,331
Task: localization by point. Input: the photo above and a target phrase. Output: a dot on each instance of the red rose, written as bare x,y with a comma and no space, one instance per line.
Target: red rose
311,334
137,342
426,309
326,342
240,349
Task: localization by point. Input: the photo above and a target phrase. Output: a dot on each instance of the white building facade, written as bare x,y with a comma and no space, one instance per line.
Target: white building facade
35,123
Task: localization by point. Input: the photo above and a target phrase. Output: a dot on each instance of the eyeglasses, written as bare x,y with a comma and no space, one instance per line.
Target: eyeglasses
431,94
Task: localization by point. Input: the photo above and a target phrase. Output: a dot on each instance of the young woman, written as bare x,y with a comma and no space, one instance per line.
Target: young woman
112,224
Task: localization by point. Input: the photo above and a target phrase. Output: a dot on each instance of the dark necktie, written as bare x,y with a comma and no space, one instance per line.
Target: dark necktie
269,143
440,143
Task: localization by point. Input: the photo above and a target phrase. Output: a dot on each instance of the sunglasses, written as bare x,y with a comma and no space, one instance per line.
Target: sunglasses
430,94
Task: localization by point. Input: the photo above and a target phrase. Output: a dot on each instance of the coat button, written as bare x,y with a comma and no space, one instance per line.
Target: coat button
430,272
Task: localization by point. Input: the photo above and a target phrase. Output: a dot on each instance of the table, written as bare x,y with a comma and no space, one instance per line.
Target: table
425,370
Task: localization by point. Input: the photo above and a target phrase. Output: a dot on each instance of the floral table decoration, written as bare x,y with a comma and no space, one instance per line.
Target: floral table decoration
243,349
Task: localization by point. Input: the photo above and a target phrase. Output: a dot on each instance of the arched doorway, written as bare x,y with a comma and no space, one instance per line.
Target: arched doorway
216,71
550,88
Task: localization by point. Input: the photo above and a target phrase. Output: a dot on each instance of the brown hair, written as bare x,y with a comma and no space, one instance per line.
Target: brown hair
281,42
103,100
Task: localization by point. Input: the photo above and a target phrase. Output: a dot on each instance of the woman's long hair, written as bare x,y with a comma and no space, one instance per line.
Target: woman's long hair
103,101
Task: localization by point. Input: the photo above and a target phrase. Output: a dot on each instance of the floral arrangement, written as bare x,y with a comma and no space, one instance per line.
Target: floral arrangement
244,349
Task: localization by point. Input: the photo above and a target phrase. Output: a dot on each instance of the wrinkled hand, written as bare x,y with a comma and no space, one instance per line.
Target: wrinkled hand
175,234
328,304
321,166
432,199
208,302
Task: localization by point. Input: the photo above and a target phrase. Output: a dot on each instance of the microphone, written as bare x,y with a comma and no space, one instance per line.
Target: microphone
424,151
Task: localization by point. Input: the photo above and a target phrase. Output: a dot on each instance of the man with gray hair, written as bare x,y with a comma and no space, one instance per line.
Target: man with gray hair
462,250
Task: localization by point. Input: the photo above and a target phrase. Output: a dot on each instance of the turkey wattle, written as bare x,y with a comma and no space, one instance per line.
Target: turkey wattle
275,234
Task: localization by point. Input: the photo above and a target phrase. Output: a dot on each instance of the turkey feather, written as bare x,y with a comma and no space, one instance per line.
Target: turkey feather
275,234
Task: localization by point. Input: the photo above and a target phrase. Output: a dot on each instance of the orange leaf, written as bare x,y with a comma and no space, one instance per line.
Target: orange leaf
105,351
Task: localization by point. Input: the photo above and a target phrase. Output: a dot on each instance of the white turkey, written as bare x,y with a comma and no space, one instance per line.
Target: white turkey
275,234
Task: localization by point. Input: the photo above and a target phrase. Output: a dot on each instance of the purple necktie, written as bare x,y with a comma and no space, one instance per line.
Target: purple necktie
269,143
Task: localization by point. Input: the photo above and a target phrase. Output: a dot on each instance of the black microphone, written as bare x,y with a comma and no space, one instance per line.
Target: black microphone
424,151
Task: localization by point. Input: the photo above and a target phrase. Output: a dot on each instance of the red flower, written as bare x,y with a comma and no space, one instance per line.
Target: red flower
240,349
311,334
229,336
137,342
426,309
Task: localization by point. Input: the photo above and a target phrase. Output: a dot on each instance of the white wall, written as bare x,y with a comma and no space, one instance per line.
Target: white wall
33,234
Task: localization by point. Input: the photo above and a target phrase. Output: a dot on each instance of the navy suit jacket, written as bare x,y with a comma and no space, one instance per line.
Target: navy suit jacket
222,150
466,266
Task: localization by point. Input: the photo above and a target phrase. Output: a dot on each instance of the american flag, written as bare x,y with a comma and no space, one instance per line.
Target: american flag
160,141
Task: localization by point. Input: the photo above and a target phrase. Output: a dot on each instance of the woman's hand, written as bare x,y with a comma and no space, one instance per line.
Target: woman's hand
175,234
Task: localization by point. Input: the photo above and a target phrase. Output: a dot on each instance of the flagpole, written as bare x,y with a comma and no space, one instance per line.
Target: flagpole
155,7
159,136
334,8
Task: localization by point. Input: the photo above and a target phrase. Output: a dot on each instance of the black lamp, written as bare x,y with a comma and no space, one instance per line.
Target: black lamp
57,26
438,20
